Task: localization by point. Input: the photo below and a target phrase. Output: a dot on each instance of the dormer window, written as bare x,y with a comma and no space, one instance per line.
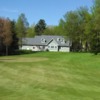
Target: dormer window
43,40
58,39
63,41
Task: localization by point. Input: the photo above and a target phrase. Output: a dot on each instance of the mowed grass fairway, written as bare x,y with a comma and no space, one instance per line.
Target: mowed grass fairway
50,76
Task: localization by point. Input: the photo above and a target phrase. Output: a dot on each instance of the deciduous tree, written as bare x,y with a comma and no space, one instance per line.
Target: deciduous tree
5,34
31,31
95,36
21,27
14,45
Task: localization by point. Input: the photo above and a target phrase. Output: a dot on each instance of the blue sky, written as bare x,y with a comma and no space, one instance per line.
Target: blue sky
49,10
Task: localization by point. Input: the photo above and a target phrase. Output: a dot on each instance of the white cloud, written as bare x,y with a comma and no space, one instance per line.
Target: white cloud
9,10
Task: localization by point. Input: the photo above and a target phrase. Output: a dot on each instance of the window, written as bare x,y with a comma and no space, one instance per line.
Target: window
52,46
33,47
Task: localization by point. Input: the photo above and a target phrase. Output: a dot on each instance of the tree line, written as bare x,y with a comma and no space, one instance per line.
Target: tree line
80,26
8,37
83,28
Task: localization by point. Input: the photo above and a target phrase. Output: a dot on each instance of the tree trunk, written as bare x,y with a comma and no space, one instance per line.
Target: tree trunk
6,50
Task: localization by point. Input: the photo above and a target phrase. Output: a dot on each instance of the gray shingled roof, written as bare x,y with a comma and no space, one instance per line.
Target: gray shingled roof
48,38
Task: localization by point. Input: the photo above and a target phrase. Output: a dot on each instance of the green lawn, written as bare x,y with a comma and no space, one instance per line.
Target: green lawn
50,76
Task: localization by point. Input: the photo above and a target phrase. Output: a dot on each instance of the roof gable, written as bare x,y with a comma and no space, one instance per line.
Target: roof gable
52,42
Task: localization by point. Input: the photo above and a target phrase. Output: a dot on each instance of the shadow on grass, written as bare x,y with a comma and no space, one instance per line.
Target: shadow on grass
19,52
22,52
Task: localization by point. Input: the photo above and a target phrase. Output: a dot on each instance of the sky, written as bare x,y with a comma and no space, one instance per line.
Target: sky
49,10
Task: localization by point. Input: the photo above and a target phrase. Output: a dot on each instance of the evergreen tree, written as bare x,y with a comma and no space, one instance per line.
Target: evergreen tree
14,45
40,27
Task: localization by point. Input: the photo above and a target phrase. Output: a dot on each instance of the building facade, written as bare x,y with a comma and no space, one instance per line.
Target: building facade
46,43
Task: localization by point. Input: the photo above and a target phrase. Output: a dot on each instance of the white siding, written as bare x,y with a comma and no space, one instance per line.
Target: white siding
33,48
64,49
53,46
